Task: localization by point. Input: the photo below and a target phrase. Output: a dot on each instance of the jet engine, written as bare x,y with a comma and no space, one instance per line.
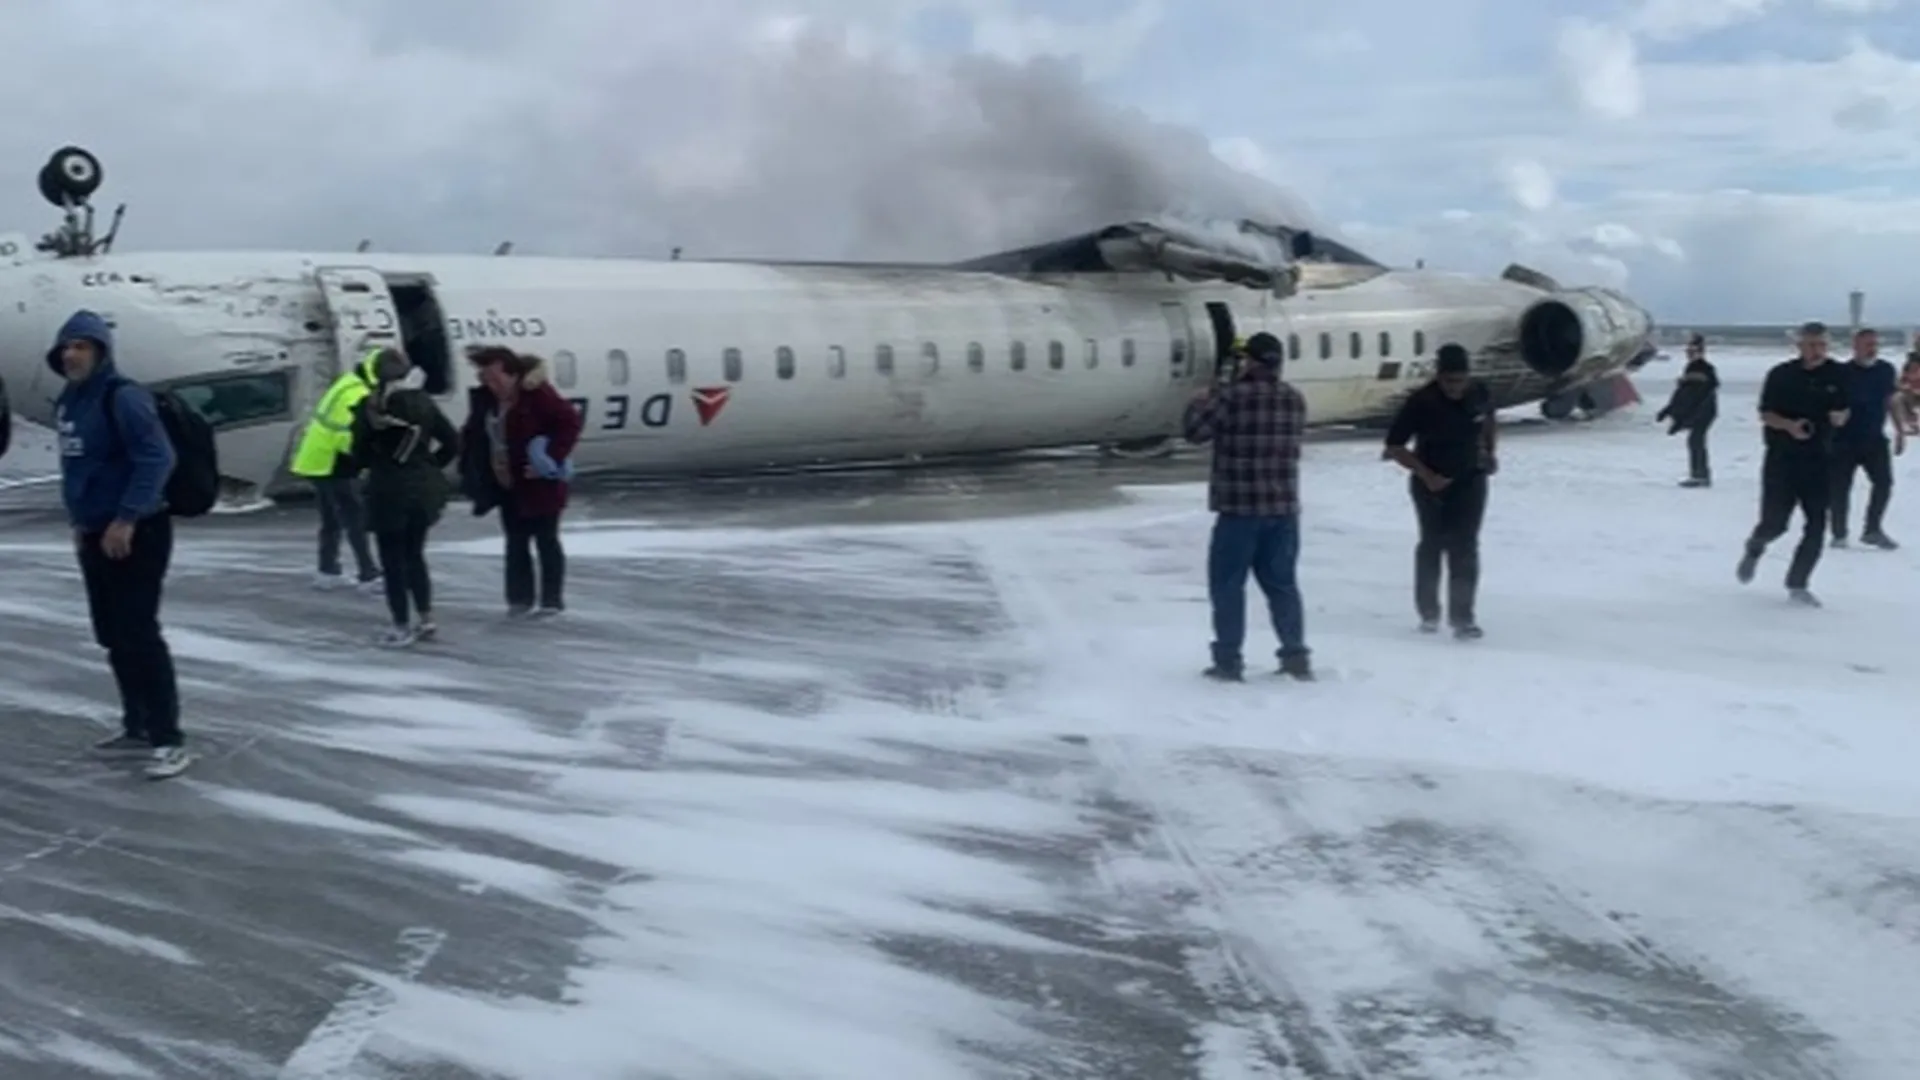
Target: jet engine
1570,334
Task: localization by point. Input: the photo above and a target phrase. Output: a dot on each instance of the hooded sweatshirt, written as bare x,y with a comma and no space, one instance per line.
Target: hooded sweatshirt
112,468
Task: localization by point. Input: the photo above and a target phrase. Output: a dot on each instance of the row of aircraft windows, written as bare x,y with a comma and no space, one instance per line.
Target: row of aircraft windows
1356,345
733,361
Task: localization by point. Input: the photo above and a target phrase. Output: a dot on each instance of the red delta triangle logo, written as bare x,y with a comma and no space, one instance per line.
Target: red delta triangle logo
709,400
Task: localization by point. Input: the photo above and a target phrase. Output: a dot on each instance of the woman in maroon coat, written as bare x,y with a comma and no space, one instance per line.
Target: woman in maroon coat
521,434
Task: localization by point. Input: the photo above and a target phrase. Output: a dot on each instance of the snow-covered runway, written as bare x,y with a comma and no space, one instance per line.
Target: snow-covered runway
929,791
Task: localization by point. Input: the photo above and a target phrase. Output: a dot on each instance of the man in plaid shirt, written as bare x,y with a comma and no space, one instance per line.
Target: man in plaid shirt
1255,424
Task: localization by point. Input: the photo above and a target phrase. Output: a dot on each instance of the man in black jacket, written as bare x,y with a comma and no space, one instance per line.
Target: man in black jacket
1693,408
1451,423
1801,404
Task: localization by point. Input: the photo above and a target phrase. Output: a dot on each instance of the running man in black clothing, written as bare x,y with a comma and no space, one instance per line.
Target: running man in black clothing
1801,404
1451,421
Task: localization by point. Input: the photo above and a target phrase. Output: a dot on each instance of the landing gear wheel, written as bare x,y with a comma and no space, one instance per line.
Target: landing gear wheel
70,176
1556,408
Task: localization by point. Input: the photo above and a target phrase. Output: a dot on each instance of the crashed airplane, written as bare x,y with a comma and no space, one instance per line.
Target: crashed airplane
701,367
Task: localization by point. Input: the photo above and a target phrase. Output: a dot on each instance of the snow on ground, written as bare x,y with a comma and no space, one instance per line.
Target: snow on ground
982,818
1645,762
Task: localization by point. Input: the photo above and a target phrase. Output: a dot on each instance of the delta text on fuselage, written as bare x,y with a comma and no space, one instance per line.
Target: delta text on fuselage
701,367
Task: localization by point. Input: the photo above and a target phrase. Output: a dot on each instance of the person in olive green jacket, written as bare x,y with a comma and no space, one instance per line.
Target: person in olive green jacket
404,443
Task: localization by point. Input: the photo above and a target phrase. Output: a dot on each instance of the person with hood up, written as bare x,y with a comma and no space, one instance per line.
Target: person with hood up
1694,406
404,443
323,460
115,459
518,441
1255,424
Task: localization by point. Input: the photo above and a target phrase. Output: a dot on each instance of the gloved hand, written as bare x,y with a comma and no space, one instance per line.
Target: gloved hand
542,466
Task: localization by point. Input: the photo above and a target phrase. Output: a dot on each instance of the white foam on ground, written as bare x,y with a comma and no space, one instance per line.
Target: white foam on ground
1622,657
1589,772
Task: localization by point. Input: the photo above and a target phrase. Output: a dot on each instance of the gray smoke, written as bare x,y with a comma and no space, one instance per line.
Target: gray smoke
594,127
846,156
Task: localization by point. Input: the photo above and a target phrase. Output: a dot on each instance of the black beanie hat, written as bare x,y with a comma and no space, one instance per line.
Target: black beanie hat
1451,359
1265,348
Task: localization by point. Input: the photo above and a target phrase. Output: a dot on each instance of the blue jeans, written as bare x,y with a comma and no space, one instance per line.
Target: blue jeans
1269,549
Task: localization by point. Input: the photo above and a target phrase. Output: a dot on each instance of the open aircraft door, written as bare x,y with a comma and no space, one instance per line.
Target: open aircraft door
363,312
1180,340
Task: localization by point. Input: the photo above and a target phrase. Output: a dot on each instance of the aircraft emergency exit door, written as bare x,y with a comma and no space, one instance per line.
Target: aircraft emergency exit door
1180,333
362,311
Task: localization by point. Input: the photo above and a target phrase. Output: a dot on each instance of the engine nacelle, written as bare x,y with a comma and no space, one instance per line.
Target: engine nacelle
1578,332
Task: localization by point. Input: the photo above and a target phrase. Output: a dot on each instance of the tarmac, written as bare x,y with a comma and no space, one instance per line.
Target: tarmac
238,921
203,927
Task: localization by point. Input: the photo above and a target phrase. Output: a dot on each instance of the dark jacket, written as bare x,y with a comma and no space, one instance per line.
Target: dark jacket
404,443
539,412
6,419
1696,398
112,468
1255,424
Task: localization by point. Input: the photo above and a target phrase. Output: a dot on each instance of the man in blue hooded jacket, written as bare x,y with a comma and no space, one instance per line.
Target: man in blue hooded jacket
115,459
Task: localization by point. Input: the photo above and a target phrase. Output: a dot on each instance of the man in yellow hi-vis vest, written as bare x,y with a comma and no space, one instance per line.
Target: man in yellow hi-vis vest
323,460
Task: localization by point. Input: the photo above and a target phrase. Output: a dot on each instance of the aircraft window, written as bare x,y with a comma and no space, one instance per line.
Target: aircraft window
783,362
1293,346
676,365
1353,344
1419,343
731,367
1126,352
930,354
618,370
1056,355
236,401
1093,353
1326,346
976,357
836,362
1386,343
1017,356
566,371
883,359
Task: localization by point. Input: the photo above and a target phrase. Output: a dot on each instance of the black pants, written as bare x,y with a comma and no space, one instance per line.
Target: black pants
123,599
1698,467
403,555
340,512
1450,527
1789,480
525,535
1873,457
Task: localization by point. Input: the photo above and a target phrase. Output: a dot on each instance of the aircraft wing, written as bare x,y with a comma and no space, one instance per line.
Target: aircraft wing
1244,252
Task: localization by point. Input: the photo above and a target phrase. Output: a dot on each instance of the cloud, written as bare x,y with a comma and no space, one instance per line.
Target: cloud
1601,64
1721,159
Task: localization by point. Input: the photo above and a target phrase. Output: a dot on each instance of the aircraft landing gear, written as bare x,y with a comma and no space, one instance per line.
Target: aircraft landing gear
70,177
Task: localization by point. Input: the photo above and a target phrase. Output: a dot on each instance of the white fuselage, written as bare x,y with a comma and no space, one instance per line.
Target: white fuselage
790,364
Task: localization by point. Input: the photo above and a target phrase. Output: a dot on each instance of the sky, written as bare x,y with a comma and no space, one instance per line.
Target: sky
1723,160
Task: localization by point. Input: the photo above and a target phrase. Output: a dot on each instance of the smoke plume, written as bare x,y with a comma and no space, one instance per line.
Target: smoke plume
832,154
